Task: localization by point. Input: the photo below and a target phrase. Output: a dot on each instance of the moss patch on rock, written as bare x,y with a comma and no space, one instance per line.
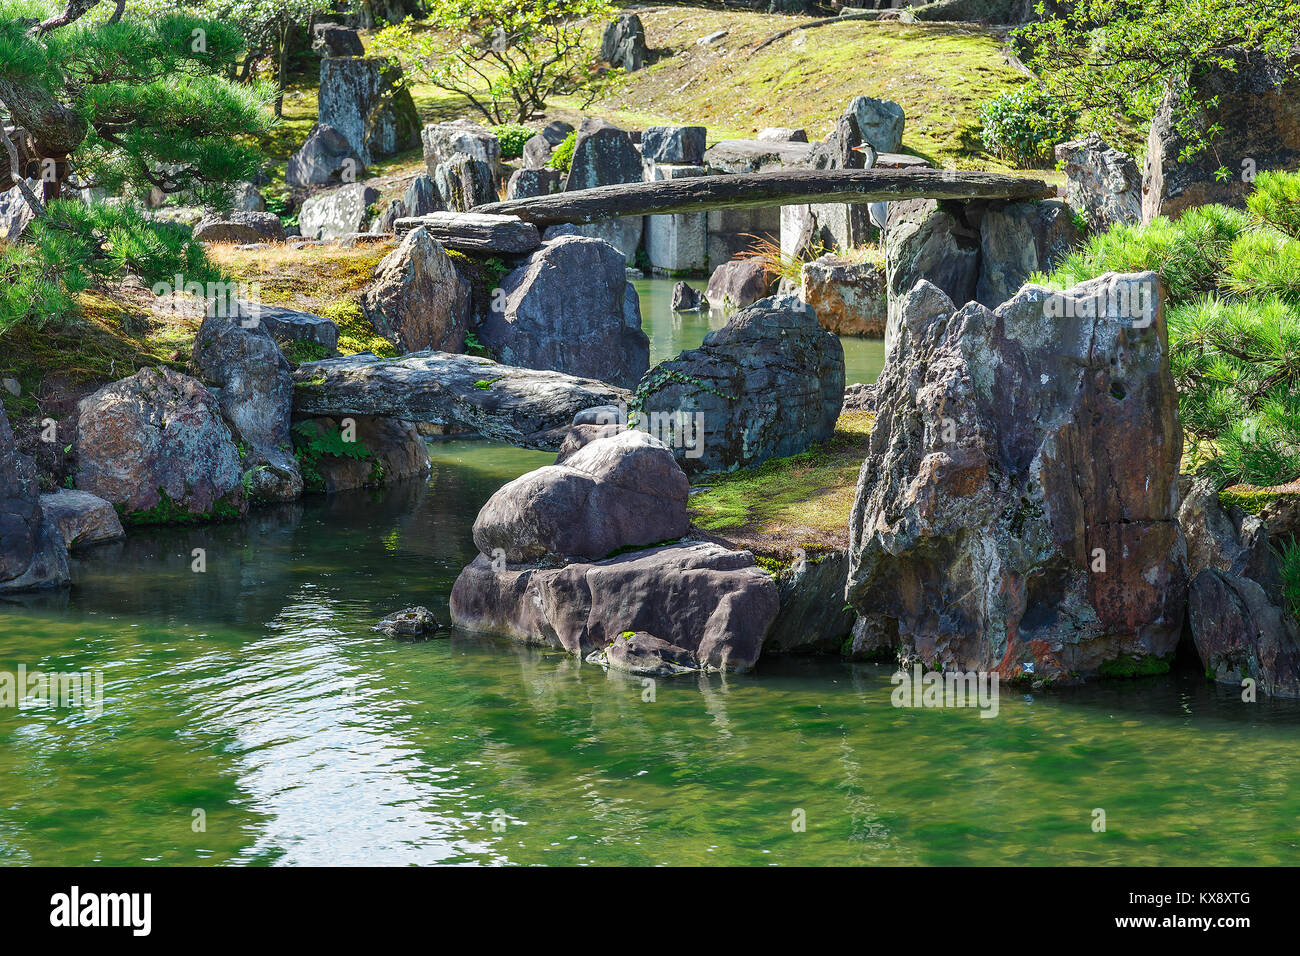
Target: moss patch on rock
800,502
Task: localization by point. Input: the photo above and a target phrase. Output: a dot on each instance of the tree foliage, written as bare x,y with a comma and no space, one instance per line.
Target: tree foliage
507,57
1112,61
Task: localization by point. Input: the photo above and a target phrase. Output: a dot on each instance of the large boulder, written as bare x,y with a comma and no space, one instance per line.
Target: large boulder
569,307
464,182
1240,623
365,99
737,284
418,301
603,155
1018,240
251,381
83,519
1104,184
290,325
767,384
32,550
624,490
682,145
624,233
240,227
1016,509
623,44
422,197
928,240
848,297
1257,115
879,122
526,183
326,157
813,617
713,603
156,446
338,213
442,141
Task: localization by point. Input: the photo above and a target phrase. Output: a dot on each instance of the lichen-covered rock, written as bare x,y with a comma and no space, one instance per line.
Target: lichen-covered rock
464,182
409,624
156,447
1017,503
1257,118
365,99
713,603
1018,240
526,183
603,155
767,384
569,307
683,145
645,655
1102,183
239,226
418,301
337,213
32,550
848,297
326,157
737,284
83,519
624,490
623,44
251,381
290,325
442,141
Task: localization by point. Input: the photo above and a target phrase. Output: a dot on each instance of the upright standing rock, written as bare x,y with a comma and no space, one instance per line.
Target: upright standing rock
32,552
337,213
623,44
421,197
928,240
603,155
464,182
418,301
569,307
767,384
1102,183
1258,116
442,141
364,98
253,386
326,157
1016,509
1019,239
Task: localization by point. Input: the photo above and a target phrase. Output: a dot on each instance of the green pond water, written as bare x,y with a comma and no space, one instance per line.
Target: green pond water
250,716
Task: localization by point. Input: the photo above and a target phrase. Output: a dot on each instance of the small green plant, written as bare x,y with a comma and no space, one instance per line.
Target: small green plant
312,442
562,155
1288,559
1024,126
512,137
299,353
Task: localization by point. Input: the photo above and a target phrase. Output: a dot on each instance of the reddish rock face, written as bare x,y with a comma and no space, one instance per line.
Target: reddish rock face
1018,503
158,433
848,297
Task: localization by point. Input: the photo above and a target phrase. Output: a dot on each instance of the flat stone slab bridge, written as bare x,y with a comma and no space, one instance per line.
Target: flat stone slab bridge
783,187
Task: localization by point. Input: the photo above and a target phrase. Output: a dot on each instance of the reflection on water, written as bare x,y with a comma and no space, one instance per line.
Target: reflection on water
251,716
257,693
670,332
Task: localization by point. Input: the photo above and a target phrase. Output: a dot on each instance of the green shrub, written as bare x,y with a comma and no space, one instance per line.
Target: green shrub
1275,201
1289,564
562,155
1024,125
1264,262
512,137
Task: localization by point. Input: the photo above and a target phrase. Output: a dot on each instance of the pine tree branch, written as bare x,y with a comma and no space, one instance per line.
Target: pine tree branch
75,10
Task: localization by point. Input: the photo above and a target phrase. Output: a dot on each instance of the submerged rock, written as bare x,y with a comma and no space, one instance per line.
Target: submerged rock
82,518
32,550
713,603
1016,509
155,445
687,299
645,655
409,624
